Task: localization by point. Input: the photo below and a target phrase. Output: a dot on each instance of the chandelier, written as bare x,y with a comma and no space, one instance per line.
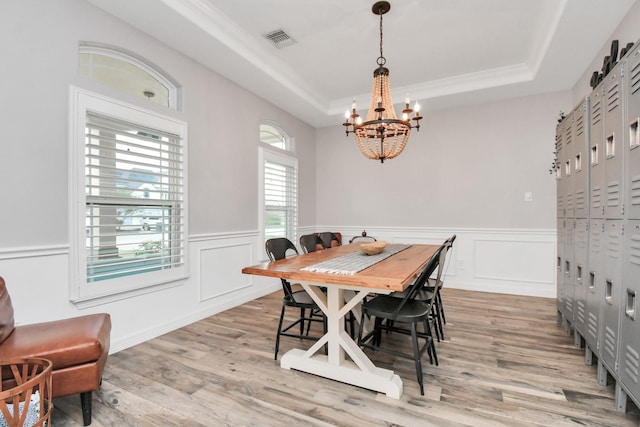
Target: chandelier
382,135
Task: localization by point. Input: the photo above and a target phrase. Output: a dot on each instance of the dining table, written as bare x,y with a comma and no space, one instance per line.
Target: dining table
339,279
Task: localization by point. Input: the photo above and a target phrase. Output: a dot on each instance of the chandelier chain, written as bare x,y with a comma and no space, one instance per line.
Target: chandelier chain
381,59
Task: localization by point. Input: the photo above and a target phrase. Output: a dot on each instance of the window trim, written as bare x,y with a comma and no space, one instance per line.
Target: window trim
90,294
274,155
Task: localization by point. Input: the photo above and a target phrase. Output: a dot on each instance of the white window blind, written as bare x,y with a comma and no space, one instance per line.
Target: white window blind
134,193
280,199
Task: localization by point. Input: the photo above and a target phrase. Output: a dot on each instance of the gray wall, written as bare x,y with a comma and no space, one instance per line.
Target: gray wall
466,167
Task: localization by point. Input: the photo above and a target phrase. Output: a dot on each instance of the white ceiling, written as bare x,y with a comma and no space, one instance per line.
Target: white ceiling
444,53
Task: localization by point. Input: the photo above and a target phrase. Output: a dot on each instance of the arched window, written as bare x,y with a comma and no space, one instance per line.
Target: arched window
271,134
124,71
279,174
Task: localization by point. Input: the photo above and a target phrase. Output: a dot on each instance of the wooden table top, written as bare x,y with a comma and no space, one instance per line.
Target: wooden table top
395,273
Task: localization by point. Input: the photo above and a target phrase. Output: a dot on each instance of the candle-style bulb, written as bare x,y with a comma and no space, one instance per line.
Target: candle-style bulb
407,100
353,105
347,115
416,107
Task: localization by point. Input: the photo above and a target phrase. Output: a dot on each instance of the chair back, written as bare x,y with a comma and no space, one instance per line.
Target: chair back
328,238
310,242
422,279
363,239
277,248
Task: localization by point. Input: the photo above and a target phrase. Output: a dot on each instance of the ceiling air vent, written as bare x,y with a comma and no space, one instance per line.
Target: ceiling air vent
280,39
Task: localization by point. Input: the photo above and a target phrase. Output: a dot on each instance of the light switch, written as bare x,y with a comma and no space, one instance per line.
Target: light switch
528,196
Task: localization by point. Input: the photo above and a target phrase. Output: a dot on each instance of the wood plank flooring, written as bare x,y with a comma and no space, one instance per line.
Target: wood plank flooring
504,362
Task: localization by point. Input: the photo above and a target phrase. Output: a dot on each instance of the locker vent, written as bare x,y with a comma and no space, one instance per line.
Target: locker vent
592,327
580,312
580,125
569,201
613,97
568,136
614,245
610,342
596,197
634,250
631,364
580,200
613,194
635,190
635,78
596,113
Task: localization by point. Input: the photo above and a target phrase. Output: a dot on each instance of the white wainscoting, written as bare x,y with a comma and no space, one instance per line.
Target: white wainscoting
505,261
511,261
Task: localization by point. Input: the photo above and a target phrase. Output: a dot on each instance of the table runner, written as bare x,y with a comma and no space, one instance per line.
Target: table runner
355,261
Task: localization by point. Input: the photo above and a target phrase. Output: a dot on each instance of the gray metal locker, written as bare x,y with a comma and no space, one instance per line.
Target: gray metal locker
580,127
629,369
580,274
569,262
595,284
569,168
612,295
596,153
613,144
632,135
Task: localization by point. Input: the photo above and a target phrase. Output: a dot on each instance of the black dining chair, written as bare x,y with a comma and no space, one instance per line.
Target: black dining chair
426,293
437,286
278,248
310,243
363,238
388,311
329,239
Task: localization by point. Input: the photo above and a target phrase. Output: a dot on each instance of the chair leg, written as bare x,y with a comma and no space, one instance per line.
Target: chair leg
416,355
278,334
302,316
85,402
441,306
433,356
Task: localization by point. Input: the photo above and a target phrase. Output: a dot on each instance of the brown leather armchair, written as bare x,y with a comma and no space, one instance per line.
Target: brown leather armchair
78,348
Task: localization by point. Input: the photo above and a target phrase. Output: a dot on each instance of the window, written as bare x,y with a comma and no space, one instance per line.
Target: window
279,184
123,71
271,134
280,195
128,197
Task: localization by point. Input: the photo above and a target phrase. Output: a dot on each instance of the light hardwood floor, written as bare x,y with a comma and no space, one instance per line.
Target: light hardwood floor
504,362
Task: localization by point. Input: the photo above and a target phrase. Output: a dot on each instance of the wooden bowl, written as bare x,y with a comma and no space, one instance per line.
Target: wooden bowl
373,248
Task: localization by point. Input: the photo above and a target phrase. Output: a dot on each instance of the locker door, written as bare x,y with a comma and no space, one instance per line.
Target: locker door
613,144
560,267
629,369
569,168
580,162
632,142
559,172
581,269
612,294
596,153
569,263
595,284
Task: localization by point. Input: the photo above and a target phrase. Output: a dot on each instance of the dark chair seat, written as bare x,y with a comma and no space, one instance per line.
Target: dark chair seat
412,311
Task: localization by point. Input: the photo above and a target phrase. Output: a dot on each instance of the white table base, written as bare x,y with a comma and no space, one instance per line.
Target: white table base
360,370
